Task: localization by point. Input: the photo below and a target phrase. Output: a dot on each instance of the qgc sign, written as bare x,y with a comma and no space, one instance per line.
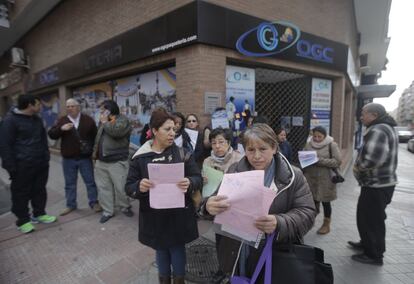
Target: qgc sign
268,38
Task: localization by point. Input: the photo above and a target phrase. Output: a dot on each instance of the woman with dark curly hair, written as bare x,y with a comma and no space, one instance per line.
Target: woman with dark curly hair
165,230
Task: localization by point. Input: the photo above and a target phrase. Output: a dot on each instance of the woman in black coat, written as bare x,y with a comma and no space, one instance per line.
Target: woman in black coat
192,123
165,230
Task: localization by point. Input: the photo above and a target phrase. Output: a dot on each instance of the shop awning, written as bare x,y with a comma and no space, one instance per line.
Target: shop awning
375,91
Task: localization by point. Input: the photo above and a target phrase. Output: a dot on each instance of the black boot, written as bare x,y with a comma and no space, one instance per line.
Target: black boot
178,280
164,279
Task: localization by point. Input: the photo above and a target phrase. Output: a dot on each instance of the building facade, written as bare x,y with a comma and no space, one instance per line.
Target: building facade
405,113
296,62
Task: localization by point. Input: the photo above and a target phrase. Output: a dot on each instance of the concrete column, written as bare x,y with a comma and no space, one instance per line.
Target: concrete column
200,69
338,109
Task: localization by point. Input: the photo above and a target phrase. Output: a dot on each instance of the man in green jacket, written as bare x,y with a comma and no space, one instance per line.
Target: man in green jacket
111,152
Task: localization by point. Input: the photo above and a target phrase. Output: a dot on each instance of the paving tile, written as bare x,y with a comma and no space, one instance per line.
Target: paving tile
89,280
78,247
117,273
7,220
404,278
141,258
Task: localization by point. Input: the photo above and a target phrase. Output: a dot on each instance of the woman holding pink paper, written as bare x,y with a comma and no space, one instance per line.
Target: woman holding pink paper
291,213
165,230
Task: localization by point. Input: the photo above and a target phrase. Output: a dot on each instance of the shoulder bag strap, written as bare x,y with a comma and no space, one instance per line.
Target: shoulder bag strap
265,257
330,151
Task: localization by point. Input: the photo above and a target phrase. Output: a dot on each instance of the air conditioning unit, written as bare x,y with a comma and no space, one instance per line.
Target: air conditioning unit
18,58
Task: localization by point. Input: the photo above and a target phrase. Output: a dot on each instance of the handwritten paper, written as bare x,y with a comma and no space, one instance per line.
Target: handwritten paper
249,199
307,158
165,193
214,178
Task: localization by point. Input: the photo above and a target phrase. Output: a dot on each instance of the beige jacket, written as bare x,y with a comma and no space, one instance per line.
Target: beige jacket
230,158
319,175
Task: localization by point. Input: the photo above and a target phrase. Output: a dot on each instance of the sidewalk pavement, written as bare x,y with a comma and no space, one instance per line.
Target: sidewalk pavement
78,249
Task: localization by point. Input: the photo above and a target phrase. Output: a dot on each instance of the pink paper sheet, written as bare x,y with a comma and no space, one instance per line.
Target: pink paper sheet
248,198
166,194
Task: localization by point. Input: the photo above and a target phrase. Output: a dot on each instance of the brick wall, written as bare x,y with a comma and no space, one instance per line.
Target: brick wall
80,24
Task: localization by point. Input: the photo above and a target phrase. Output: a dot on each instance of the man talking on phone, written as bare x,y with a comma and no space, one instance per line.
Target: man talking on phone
77,132
111,152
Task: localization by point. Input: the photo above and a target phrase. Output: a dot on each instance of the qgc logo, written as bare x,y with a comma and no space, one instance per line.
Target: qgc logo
268,39
237,76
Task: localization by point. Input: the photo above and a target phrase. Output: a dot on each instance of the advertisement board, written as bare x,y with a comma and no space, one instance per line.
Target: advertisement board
49,113
321,103
240,95
138,95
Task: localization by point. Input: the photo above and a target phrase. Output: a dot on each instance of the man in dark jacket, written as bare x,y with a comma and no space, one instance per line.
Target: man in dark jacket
25,155
77,132
375,171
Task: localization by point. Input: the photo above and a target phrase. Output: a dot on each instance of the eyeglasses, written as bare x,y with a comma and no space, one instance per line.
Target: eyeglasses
189,121
71,106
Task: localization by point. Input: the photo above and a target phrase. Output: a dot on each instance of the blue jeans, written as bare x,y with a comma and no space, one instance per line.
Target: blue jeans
173,256
70,171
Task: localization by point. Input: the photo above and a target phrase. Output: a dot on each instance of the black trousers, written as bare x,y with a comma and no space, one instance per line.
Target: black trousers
29,185
371,218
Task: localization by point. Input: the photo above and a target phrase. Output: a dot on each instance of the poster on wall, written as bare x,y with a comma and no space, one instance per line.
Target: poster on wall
49,113
240,95
90,97
137,96
321,103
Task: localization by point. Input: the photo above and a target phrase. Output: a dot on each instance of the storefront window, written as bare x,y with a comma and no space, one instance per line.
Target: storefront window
49,113
137,96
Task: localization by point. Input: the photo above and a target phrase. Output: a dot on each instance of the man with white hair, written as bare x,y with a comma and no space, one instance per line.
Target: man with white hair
375,170
77,132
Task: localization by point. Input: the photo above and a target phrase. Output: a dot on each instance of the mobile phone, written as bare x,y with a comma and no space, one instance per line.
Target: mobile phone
106,113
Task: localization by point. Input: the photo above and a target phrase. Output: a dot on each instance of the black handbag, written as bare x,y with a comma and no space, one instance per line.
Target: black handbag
298,264
336,177
85,146
294,263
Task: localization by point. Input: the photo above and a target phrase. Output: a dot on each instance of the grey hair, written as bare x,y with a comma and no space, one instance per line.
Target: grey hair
72,100
375,108
260,131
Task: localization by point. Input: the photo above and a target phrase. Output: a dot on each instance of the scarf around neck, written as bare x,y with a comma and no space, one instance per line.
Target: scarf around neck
317,145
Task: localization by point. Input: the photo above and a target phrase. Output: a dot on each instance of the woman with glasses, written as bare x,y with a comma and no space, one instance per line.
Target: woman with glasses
165,230
222,157
222,154
192,123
